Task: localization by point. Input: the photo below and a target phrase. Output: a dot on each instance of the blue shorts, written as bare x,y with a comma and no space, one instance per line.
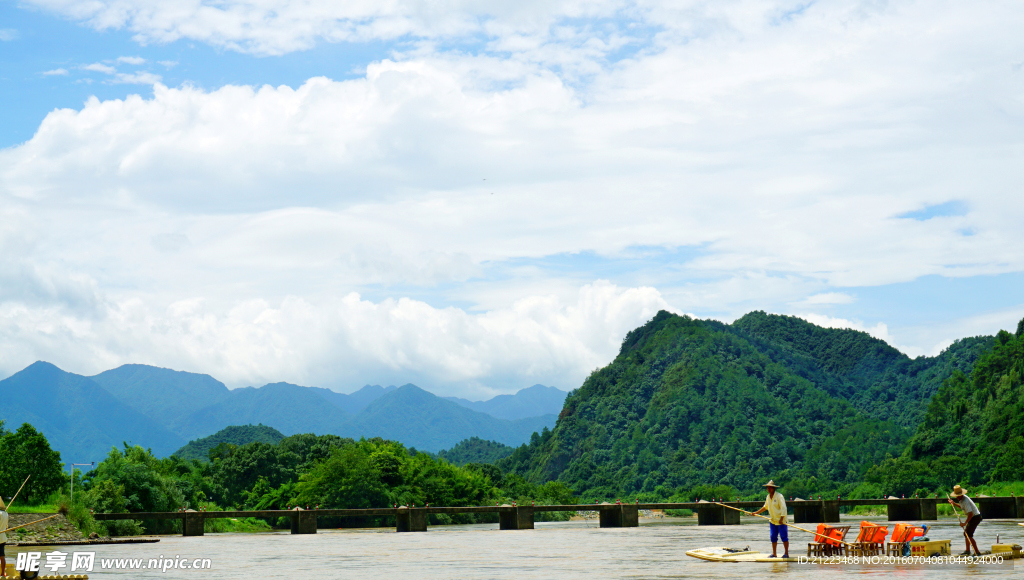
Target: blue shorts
779,530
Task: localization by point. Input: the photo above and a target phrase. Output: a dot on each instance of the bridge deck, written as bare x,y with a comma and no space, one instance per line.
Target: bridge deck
415,519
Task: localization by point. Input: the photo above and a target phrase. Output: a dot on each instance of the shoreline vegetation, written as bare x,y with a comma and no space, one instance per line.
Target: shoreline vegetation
825,412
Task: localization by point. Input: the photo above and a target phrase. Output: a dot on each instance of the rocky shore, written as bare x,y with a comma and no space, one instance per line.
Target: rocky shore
57,529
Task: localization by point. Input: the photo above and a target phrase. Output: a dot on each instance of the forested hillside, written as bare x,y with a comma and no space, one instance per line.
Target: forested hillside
688,402
236,435
475,450
876,378
693,402
976,422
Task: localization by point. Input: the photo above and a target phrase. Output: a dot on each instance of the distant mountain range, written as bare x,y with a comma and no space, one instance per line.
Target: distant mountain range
83,417
525,403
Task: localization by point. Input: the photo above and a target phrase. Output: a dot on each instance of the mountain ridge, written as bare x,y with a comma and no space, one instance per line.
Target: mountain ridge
688,401
63,406
520,405
164,409
389,417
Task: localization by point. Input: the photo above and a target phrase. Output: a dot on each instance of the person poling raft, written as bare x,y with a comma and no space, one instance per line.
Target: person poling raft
816,534
775,505
973,517
3,526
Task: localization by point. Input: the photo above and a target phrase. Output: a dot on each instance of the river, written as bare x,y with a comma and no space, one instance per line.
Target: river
558,550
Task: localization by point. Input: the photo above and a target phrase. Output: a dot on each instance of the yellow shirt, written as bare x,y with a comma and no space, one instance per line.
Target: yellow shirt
776,505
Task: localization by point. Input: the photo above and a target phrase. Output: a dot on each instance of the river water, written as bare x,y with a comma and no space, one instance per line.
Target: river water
557,550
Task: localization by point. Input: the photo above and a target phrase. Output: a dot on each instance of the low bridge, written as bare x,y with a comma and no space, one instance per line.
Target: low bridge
617,515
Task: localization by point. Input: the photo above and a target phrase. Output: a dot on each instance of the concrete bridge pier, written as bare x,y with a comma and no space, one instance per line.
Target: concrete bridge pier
709,514
911,509
618,515
1000,508
516,518
410,520
192,523
815,511
303,522
929,510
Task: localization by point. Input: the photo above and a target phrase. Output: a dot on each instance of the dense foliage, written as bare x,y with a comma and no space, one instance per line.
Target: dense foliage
233,435
878,379
475,450
26,452
307,470
686,403
974,426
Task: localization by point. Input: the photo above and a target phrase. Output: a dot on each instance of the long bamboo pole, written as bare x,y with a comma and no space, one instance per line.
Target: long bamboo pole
29,524
769,519
953,503
18,492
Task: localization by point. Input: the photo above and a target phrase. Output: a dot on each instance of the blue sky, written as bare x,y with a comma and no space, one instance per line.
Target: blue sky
481,196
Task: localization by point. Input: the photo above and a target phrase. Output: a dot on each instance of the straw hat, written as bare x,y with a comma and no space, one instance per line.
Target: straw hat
958,491
771,483
3,506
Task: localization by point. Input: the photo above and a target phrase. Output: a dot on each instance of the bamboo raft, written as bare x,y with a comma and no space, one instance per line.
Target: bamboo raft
746,555
12,573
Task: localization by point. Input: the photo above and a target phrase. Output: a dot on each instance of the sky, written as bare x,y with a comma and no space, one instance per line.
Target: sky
478,196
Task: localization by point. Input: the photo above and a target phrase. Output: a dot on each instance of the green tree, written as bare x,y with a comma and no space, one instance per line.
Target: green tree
1010,465
141,479
26,451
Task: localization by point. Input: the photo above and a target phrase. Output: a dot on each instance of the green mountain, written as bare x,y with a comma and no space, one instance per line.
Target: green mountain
528,402
361,399
876,378
163,409
237,435
81,420
425,421
163,395
475,450
974,426
689,402
289,408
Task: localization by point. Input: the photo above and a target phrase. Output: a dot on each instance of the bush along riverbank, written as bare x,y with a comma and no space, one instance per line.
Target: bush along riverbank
301,470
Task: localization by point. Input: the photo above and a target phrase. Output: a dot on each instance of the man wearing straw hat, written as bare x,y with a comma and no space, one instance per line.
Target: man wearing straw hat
776,506
3,535
973,517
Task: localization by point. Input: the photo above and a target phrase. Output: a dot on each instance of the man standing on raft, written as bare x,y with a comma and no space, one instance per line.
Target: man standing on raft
973,517
776,506
3,536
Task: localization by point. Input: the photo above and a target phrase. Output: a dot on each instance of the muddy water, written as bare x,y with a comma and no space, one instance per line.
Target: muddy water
569,550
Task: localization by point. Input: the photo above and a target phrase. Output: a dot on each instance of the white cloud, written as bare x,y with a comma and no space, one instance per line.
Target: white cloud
133,60
56,72
779,151
339,342
100,67
279,26
8,34
138,78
